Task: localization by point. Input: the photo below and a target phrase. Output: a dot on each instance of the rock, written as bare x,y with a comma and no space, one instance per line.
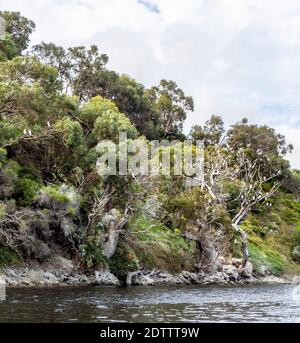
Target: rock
50,279
140,279
273,279
67,227
296,253
217,278
129,277
231,271
190,278
63,263
40,249
296,280
155,277
34,277
237,262
247,270
106,278
160,277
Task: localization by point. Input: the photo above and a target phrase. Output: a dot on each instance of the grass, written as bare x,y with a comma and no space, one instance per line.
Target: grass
151,245
8,256
273,234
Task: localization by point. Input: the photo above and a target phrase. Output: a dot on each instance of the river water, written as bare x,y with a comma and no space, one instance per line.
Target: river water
254,303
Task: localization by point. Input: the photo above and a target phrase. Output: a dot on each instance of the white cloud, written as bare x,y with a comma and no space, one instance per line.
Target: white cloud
292,136
236,58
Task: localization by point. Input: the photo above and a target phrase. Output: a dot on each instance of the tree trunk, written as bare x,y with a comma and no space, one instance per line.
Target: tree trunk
206,252
111,237
245,249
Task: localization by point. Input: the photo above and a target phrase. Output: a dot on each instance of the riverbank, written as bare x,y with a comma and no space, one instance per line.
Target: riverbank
66,274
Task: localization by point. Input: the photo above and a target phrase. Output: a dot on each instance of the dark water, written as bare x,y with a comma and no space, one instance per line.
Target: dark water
256,303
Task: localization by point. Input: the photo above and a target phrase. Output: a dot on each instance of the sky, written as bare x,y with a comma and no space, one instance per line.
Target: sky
236,58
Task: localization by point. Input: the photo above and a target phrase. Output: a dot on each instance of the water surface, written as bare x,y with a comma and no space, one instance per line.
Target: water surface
255,303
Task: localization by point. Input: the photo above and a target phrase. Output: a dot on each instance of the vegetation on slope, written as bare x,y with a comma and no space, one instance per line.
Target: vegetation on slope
56,104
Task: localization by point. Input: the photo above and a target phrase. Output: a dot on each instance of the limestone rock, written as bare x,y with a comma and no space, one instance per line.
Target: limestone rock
231,271
296,253
106,278
247,270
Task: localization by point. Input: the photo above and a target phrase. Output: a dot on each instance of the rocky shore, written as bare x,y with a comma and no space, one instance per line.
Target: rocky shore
66,274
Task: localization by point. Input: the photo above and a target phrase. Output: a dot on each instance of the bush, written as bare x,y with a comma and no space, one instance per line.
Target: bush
124,260
26,191
91,248
262,257
55,193
296,253
8,256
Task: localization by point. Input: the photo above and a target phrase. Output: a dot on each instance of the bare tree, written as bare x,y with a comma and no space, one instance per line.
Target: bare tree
251,188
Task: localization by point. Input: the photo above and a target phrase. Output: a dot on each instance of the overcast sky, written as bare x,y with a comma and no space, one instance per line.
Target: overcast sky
237,58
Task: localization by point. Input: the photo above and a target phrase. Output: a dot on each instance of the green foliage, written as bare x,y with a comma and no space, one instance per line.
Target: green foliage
172,105
55,193
3,156
274,262
156,246
273,234
71,131
91,248
262,144
57,103
110,124
2,210
211,133
296,236
8,256
94,108
124,260
8,48
19,27
26,191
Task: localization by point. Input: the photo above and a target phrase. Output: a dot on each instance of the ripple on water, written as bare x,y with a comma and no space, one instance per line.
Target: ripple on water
255,303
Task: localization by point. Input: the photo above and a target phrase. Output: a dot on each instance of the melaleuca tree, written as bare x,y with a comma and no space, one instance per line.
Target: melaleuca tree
84,74
260,143
210,133
8,48
78,66
19,27
172,105
34,116
102,119
233,185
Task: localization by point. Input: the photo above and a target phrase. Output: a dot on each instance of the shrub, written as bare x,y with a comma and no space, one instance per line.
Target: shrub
124,260
55,193
8,256
26,191
263,257
91,248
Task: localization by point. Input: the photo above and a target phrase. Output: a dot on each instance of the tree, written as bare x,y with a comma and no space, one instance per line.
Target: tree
8,48
20,28
78,67
211,133
131,98
262,144
31,108
56,56
233,186
172,105
83,73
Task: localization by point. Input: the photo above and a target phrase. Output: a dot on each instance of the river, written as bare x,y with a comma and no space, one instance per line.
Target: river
254,303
